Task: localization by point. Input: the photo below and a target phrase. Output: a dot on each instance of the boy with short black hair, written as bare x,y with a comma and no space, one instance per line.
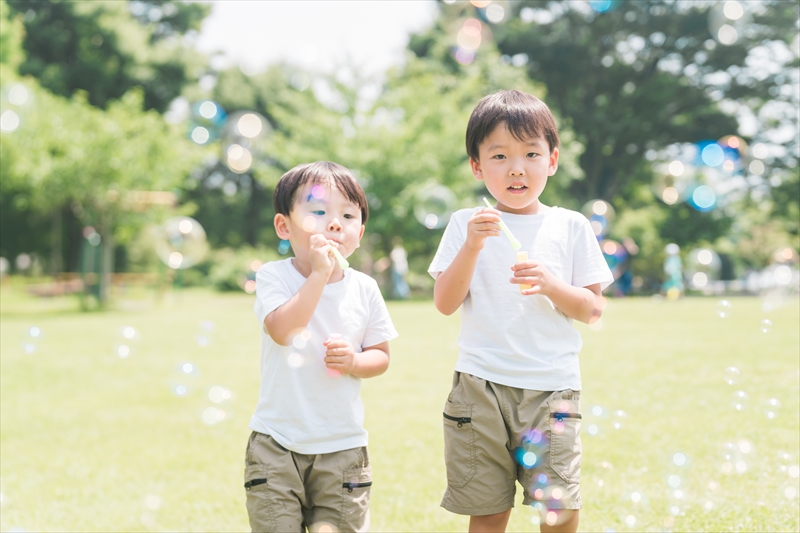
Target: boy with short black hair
324,328
514,410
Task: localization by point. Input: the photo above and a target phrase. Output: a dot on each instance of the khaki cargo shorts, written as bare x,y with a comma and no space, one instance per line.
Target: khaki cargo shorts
495,435
290,492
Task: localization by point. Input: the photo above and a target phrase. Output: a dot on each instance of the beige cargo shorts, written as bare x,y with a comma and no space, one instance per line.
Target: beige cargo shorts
495,435
290,492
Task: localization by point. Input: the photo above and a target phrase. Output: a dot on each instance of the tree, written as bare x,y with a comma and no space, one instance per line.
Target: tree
106,48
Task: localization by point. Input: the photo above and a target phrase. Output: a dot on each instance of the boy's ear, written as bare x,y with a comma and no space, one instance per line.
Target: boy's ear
553,164
281,226
476,168
361,234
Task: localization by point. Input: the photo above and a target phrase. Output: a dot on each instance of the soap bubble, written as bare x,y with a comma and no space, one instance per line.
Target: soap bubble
702,267
724,308
35,332
771,407
601,215
740,398
212,415
219,394
433,205
732,375
618,419
679,459
765,325
181,242
206,121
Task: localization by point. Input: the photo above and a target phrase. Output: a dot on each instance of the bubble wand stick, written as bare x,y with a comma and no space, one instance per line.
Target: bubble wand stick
515,244
343,264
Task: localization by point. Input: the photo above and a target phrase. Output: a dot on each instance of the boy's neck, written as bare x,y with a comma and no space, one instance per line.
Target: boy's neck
535,208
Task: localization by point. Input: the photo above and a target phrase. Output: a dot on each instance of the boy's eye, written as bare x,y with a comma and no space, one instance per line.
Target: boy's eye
532,154
499,156
348,216
319,212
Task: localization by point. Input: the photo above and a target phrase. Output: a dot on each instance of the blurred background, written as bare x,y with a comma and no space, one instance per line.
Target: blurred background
679,123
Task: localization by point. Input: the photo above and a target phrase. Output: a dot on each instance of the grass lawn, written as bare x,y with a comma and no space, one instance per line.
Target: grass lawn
90,441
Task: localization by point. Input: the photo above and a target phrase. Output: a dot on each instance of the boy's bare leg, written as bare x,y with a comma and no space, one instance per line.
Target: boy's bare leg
490,523
567,523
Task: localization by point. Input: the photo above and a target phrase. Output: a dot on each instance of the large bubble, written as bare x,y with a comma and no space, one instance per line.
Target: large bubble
206,121
702,268
433,205
601,215
181,242
243,140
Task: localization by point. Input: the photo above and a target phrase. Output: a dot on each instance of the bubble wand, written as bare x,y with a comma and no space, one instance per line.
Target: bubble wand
515,244
343,264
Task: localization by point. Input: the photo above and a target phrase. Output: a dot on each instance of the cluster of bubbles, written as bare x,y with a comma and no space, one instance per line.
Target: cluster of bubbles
214,414
242,133
770,407
247,281
181,242
433,205
17,96
705,173
598,416
702,268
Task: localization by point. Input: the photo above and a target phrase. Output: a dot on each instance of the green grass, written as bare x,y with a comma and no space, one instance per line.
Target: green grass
86,437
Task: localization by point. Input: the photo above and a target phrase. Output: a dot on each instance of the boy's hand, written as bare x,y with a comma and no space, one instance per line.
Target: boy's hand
339,355
482,224
536,275
321,256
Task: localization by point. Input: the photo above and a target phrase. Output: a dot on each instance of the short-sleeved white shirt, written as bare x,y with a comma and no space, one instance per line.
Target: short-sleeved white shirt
515,340
301,404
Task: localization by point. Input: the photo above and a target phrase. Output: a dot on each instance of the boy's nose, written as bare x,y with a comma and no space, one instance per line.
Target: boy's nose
334,225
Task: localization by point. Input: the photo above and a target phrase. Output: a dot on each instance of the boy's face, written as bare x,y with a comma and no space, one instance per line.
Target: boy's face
321,208
515,172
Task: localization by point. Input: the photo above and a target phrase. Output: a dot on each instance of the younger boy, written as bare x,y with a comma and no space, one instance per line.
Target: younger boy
323,330
514,412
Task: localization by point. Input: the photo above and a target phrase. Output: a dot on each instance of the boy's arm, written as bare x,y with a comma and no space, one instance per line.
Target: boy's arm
580,303
296,312
372,361
282,323
452,285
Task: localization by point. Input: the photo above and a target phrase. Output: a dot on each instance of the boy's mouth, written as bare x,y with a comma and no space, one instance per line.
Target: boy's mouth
517,188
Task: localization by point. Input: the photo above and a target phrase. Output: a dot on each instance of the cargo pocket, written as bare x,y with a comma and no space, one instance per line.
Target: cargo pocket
258,504
356,487
565,440
459,444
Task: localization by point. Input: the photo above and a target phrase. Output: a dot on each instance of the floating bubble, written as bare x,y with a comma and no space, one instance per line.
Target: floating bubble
790,493
212,415
181,242
732,375
180,390
202,341
9,121
123,351
771,408
724,308
433,205
679,459
35,332
533,447
188,369
794,471
618,419
598,410
29,348
152,502
295,360
703,198
207,325
206,121
630,520
765,325
218,394
674,481
702,267
601,216
740,398
129,332
592,429
615,255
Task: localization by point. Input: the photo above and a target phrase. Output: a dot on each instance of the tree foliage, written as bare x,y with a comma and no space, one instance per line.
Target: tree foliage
103,49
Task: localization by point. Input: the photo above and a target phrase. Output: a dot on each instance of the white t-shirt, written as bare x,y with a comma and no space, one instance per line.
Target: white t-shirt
515,340
302,405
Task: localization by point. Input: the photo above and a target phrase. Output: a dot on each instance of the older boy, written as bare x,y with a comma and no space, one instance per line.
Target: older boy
324,328
514,411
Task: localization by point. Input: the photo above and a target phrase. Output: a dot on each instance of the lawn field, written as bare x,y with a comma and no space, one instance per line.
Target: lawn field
91,441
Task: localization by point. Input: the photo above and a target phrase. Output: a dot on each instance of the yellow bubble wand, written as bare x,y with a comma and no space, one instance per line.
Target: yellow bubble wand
515,244
343,264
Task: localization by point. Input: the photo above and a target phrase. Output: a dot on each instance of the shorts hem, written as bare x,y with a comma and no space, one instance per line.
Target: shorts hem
575,505
477,511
